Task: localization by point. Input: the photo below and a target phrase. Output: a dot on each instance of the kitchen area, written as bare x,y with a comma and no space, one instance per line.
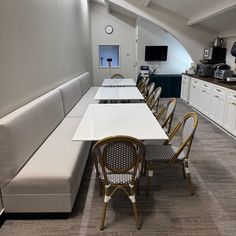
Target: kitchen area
210,86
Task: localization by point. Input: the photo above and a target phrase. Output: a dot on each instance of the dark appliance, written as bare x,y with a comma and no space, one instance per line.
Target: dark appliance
233,50
205,70
156,53
214,55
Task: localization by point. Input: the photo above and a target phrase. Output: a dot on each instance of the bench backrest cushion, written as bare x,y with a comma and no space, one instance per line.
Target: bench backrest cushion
25,129
71,93
86,82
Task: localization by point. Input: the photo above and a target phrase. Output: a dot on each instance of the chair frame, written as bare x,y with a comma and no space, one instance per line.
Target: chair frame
143,83
168,121
110,188
186,143
153,99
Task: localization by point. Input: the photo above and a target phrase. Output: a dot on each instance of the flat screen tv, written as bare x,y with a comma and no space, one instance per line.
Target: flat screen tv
156,53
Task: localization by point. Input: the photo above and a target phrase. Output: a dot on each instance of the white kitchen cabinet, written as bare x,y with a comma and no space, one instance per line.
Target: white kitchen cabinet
217,107
185,85
204,98
230,112
216,102
194,93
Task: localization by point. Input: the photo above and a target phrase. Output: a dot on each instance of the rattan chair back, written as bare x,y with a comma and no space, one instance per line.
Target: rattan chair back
187,127
165,116
118,155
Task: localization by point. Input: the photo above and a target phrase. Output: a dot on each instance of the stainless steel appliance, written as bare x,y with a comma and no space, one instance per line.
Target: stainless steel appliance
223,74
214,55
205,70
218,41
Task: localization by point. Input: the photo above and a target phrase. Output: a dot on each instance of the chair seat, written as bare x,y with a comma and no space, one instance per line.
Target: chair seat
119,178
162,153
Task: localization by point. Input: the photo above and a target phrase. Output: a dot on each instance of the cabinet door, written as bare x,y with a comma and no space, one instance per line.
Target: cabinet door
185,87
204,100
217,109
194,93
230,115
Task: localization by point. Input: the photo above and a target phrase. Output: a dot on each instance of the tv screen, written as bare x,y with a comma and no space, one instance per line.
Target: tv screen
156,53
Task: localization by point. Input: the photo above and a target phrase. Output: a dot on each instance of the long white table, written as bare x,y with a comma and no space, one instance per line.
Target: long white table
118,93
103,120
118,83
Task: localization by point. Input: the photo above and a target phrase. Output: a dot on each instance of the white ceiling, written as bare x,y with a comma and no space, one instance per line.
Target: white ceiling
216,15
223,22
186,8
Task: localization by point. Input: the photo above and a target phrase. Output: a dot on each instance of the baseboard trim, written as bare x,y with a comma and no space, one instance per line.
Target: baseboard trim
30,216
214,123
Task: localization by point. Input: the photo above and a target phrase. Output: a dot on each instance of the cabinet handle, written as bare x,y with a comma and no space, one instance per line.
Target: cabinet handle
218,90
233,103
216,96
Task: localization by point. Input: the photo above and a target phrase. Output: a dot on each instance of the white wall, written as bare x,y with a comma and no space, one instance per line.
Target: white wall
123,35
194,39
150,34
42,44
230,60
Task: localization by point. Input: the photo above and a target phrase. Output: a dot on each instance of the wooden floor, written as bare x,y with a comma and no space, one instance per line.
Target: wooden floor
169,210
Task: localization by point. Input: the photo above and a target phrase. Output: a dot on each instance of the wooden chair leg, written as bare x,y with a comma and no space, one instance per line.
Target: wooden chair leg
149,177
183,169
103,216
136,216
137,188
101,188
133,200
186,169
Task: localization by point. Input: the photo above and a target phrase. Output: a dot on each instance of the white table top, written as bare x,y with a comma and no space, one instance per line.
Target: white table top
133,119
118,93
118,83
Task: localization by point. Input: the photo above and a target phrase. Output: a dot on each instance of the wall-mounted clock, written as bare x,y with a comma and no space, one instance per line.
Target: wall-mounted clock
108,29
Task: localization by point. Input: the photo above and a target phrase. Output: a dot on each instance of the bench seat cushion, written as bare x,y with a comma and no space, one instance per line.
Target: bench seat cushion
50,180
25,129
86,82
81,106
71,93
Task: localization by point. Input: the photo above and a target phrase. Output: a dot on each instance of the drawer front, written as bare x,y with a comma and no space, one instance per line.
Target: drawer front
219,90
185,78
231,94
206,85
196,81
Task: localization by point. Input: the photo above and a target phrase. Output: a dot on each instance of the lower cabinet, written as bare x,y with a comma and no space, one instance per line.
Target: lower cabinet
185,84
217,106
216,102
230,112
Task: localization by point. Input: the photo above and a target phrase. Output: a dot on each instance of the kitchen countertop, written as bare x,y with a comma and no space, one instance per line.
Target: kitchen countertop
229,85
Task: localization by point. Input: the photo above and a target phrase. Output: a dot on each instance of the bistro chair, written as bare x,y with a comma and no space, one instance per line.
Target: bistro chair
148,90
118,162
143,83
117,76
153,99
165,115
171,154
